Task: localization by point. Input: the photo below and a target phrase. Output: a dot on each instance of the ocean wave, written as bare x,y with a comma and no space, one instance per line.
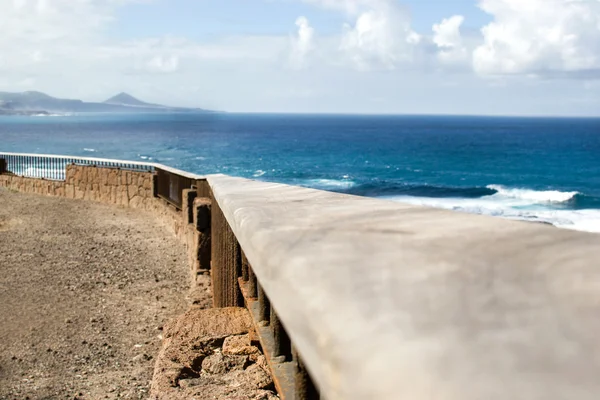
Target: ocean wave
41,172
548,196
89,150
378,188
328,184
581,220
259,173
518,197
52,115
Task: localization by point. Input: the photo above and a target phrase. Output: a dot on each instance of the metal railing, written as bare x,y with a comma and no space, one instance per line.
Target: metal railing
170,186
53,167
236,284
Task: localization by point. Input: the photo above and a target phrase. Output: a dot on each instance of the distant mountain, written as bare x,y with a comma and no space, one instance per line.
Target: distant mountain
10,107
125,99
123,102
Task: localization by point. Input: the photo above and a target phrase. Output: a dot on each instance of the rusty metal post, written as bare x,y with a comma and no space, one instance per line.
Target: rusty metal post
305,387
252,289
203,188
281,342
245,268
187,207
154,184
2,165
239,296
202,222
264,305
226,262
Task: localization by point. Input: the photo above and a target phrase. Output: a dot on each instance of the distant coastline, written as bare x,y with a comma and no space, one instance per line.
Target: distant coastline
37,103
22,113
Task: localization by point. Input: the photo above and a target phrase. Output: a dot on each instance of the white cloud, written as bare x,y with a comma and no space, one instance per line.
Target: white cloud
541,37
448,39
379,38
348,6
302,44
66,48
35,32
162,64
379,34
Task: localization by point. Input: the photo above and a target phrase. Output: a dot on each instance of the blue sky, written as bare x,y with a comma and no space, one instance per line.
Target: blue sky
509,57
207,19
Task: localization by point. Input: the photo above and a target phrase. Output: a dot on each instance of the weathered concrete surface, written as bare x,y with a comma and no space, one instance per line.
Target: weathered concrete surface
392,301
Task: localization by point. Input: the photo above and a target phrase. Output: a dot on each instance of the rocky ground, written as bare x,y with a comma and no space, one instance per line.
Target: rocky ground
85,290
86,295
211,354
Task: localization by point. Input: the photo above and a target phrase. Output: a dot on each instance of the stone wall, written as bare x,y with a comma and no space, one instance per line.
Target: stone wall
110,185
32,185
106,185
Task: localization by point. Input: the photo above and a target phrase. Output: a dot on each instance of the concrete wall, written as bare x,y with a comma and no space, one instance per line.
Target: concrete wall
385,300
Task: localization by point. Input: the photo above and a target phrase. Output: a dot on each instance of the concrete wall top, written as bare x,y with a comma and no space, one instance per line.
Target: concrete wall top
392,301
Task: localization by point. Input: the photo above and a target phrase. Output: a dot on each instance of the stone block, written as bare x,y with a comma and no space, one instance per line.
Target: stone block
135,202
69,191
148,182
187,205
124,198
113,194
112,177
132,191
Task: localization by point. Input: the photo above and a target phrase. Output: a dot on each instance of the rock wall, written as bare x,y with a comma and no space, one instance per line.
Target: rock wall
109,185
106,185
32,185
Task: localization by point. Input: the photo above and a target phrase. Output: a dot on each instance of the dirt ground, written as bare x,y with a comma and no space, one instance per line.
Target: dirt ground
85,290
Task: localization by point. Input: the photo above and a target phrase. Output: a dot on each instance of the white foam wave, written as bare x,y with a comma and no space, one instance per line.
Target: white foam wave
512,208
548,196
51,115
259,173
90,150
328,184
41,172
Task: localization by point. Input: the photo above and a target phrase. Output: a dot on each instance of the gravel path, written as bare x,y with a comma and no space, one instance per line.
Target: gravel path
85,289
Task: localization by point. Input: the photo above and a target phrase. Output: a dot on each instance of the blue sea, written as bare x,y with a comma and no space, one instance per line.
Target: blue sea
536,169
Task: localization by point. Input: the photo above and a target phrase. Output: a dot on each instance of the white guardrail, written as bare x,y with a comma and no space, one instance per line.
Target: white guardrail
52,167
